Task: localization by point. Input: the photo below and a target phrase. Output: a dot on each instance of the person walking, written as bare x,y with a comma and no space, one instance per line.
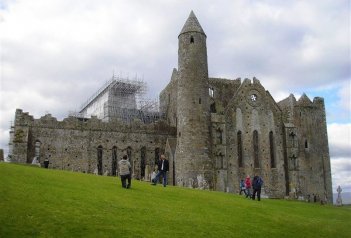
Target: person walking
256,185
124,171
242,187
162,166
248,186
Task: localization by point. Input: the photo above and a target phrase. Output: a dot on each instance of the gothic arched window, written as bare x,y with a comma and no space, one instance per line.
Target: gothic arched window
99,159
142,161
271,147
255,149
240,149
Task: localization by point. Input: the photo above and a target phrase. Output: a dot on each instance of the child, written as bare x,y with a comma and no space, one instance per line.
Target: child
153,175
242,187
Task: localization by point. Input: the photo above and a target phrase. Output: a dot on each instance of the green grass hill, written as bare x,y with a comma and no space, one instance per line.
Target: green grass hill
37,202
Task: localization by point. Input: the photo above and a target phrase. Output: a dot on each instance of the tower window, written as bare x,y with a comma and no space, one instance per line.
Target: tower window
199,100
191,39
211,92
306,144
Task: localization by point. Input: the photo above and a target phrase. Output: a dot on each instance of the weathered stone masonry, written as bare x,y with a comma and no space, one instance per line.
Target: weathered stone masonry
73,144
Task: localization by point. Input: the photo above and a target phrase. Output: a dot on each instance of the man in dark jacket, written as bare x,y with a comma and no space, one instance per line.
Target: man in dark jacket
162,167
256,185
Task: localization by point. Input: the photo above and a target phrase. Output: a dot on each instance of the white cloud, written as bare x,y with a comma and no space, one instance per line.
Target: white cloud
345,97
339,136
341,168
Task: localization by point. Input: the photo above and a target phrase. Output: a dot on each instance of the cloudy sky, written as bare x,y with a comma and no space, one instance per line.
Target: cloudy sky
54,54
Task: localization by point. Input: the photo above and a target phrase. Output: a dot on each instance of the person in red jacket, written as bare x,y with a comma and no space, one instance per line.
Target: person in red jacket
248,186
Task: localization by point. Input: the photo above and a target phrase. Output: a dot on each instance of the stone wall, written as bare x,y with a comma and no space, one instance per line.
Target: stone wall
308,159
72,144
223,91
168,100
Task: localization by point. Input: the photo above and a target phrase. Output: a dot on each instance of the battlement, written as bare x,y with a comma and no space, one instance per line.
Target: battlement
93,123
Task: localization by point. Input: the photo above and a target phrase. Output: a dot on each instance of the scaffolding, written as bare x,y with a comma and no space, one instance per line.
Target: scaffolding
119,86
121,98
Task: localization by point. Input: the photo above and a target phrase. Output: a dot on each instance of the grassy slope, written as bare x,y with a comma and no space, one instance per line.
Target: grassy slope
36,202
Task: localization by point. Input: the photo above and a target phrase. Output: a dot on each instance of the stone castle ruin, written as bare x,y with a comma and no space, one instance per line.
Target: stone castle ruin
214,131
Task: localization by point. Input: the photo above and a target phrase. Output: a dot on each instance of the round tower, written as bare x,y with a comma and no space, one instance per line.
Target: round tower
193,163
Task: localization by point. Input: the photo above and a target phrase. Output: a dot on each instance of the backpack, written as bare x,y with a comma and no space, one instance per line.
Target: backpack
259,182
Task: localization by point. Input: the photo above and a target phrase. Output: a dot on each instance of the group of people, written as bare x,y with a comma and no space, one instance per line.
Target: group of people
163,166
125,171
255,186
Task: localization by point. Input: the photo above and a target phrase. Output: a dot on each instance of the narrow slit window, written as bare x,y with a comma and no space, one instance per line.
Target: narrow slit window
211,92
255,149
271,146
240,149
114,161
191,40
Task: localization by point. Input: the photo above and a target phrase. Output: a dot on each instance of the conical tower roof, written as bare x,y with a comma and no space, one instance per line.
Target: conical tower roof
192,25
